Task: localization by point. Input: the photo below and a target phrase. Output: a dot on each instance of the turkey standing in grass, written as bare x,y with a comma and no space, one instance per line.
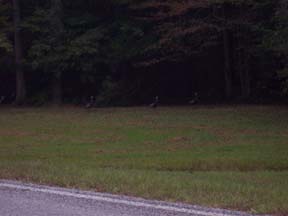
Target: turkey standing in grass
155,103
2,98
91,103
195,99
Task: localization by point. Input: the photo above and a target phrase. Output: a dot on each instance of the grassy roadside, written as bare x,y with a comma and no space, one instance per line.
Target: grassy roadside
229,157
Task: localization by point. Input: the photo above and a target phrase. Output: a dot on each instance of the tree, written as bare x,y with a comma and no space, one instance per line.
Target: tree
191,28
179,27
64,42
5,44
20,79
276,40
57,29
215,42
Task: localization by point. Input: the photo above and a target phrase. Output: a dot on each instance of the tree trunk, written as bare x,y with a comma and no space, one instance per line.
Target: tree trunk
57,89
20,79
245,78
228,53
58,30
228,63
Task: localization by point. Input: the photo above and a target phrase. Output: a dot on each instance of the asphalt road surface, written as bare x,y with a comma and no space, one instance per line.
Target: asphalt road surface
19,199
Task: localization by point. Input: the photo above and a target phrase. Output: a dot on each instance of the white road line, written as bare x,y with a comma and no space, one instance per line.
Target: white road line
111,200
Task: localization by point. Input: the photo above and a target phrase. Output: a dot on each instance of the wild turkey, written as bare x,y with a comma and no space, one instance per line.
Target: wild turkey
91,103
195,99
2,99
155,103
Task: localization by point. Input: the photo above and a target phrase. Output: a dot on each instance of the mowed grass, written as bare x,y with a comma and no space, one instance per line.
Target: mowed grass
228,157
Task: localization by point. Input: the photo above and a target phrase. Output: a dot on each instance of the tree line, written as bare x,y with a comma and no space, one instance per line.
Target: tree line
124,52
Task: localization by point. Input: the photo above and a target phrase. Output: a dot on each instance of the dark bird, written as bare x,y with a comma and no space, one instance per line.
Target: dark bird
155,102
195,99
2,98
90,103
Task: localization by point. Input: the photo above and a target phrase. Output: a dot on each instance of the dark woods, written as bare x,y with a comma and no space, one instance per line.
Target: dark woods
127,52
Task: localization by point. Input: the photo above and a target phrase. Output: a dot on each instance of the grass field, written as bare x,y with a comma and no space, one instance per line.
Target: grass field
228,157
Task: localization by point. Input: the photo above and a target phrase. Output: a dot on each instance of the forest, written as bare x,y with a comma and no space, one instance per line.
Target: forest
127,52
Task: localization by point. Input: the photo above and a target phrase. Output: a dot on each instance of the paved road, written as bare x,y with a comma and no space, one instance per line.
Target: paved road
18,199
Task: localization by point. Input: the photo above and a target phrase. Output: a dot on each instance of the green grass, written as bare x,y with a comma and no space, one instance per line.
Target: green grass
228,157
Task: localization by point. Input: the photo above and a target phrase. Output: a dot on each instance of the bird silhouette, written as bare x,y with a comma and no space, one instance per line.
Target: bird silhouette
195,99
155,102
90,103
2,98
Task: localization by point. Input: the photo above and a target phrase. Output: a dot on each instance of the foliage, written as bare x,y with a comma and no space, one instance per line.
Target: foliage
276,40
5,44
66,52
94,39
